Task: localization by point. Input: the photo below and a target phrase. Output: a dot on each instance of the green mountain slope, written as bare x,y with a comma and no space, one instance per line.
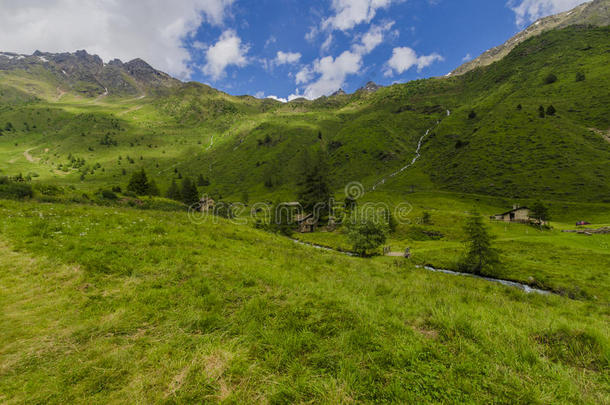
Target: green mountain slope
242,143
596,12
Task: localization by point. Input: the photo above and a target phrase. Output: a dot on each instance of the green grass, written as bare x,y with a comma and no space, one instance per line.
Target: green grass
108,305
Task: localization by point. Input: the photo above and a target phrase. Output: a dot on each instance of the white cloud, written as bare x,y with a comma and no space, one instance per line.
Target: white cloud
284,58
467,58
527,11
304,75
226,52
261,95
372,38
152,30
349,13
405,58
333,72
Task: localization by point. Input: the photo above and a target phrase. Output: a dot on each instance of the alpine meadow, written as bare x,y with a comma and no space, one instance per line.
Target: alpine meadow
440,239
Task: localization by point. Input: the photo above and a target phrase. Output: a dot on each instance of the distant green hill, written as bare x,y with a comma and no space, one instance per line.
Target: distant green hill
487,145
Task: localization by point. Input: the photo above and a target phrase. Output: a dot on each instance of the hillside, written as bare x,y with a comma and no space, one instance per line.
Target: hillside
596,12
107,305
191,129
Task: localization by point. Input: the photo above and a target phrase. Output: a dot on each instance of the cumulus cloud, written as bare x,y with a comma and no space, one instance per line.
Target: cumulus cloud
154,30
228,51
372,38
287,58
332,73
527,11
349,13
404,58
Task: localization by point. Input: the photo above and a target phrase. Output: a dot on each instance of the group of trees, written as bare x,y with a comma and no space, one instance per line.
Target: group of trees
186,192
550,110
139,184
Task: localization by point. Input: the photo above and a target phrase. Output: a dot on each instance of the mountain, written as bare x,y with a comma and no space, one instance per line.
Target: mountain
370,87
481,132
595,13
88,75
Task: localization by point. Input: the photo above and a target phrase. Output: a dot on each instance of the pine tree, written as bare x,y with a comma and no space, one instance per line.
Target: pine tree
315,186
541,111
153,190
173,192
138,183
481,256
551,110
190,195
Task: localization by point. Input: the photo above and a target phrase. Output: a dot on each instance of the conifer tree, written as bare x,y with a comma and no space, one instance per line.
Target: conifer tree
190,195
173,192
314,185
139,183
481,257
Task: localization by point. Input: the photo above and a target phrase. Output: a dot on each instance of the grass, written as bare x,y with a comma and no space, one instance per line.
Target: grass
104,305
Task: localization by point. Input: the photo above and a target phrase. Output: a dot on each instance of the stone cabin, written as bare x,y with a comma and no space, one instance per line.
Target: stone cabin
306,223
206,204
517,214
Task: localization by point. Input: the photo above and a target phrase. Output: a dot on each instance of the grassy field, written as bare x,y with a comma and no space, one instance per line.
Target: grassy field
107,305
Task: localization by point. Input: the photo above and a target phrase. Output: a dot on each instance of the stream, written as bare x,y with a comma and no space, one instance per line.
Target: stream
524,287
415,158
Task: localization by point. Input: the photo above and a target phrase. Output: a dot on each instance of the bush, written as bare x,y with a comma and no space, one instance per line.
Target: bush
109,195
580,77
16,191
550,79
366,234
551,110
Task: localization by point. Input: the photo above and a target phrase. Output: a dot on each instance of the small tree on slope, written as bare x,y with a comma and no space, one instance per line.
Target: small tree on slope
481,257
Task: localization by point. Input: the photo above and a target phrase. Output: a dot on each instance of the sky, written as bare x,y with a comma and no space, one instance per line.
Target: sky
281,49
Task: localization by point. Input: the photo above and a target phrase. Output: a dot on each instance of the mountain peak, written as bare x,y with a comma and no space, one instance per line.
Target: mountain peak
596,13
370,87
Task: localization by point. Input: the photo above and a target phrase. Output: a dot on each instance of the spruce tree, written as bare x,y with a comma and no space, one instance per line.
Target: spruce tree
153,190
190,195
481,257
138,183
314,185
173,192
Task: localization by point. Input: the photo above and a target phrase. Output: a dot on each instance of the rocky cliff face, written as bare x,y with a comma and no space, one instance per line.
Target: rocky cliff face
88,75
596,13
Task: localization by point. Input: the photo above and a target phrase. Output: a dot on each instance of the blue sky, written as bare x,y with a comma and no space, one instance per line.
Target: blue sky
280,48
433,38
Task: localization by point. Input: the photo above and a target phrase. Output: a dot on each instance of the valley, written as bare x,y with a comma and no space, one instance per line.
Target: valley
165,242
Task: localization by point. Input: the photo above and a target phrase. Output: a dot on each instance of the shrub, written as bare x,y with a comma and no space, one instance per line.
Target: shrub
551,110
366,234
17,191
580,77
109,195
550,79
472,115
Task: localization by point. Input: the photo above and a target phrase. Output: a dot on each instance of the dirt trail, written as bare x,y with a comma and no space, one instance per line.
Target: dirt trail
130,110
604,134
60,94
29,157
